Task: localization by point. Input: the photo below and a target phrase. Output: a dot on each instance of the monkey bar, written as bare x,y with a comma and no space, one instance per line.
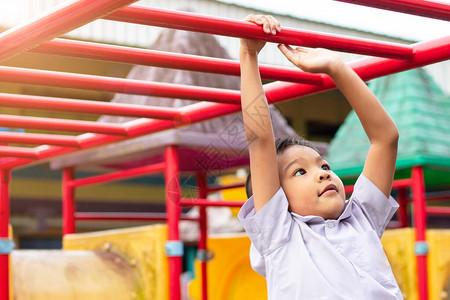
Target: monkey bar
36,36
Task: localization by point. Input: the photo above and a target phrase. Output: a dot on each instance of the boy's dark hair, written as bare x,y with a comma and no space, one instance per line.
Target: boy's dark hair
281,144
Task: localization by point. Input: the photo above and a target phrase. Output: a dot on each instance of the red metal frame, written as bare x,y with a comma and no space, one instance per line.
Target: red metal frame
35,36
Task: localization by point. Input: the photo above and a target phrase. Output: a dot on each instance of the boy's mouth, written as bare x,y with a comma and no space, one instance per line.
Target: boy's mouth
331,187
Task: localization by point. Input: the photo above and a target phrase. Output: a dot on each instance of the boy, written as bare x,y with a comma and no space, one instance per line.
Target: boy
307,240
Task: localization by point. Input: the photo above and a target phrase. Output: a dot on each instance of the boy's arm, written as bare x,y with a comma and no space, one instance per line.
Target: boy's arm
256,116
381,130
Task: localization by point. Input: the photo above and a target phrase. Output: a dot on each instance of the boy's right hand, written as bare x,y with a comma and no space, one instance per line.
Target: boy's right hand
270,26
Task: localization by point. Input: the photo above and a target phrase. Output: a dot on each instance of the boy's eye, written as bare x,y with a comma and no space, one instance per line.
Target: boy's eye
326,167
299,172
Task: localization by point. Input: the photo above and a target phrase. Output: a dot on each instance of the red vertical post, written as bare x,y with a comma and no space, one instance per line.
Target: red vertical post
68,194
174,247
4,221
402,199
421,246
202,247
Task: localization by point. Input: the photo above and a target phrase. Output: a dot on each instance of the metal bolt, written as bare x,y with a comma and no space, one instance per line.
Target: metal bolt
107,247
133,262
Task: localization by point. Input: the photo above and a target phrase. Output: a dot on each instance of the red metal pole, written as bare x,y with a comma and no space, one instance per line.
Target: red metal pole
62,19
85,106
18,152
426,53
68,198
206,202
430,9
61,125
162,59
237,28
118,85
174,246
5,177
37,139
402,199
107,216
438,210
421,246
202,246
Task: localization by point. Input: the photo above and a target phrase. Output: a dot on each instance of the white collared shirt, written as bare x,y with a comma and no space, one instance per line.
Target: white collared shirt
307,257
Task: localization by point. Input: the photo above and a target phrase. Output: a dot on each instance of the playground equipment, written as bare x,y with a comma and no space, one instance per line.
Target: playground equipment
36,36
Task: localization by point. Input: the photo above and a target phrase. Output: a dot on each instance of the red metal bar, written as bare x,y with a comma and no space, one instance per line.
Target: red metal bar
430,9
37,138
438,210
206,202
402,183
62,19
117,85
85,106
61,125
5,176
418,189
18,152
396,184
202,246
402,199
438,196
108,216
219,188
236,28
173,217
426,53
119,175
162,59
68,198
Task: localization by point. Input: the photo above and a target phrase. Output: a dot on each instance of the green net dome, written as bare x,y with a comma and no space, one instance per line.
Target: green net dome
421,111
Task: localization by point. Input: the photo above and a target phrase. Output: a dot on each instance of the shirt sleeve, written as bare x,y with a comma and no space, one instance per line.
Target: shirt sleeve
271,226
377,208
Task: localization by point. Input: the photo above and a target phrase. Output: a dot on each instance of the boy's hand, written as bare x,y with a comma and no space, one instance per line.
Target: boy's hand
270,26
312,60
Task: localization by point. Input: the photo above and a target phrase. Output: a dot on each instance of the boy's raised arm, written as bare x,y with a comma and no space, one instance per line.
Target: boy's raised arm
381,130
256,116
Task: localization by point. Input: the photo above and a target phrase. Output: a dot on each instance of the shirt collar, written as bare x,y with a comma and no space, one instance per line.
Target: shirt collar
310,219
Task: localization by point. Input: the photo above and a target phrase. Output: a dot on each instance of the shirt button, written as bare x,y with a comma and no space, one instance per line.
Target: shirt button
339,249
330,225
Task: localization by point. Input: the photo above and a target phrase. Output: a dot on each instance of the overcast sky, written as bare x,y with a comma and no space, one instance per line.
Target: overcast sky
354,16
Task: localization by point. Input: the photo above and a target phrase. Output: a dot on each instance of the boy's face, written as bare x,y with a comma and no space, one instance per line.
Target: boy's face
309,184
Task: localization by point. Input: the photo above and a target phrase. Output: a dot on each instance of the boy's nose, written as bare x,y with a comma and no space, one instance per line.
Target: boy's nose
324,176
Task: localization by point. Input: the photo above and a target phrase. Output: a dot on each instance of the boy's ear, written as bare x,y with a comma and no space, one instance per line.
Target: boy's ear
248,186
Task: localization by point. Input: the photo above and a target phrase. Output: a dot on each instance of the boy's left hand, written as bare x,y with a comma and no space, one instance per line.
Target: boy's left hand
316,60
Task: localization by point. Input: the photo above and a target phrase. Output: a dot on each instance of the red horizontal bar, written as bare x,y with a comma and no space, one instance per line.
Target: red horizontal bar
206,202
61,125
438,196
438,210
430,9
427,53
119,175
399,183
37,139
18,152
237,28
225,187
117,85
62,19
168,60
107,216
93,107
402,183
